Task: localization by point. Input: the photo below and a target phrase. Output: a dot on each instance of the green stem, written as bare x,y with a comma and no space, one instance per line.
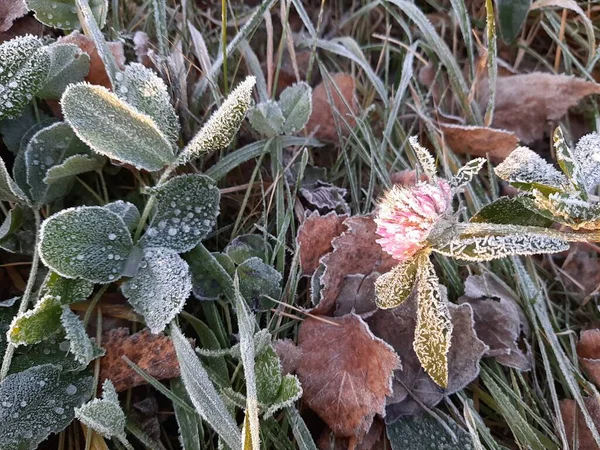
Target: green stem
10,350
150,203
477,229
224,43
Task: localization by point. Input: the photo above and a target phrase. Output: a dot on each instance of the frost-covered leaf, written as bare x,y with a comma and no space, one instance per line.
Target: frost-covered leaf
53,350
290,390
511,211
37,324
424,432
569,163
296,106
583,163
88,242
113,128
424,156
24,65
487,248
204,284
12,222
267,118
479,141
22,240
8,309
315,236
63,13
187,207
568,209
219,131
69,65
13,130
80,344
527,170
143,89
467,172
160,288
126,211
72,166
434,328
258,281
66,290
395,286
9,190
44,393
246,246
47,148
105,415
345,372
203,394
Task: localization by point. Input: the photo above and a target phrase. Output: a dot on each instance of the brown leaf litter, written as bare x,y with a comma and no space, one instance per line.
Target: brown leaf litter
345,373
153,353
315,236
10,10
333,105
479,141
588,350
575,425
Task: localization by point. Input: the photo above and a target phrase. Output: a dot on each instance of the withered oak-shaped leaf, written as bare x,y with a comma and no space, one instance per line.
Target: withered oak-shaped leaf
397,327
526,103
575,425
345,372
315,236
499,320
354,252
479,141
588,350
153,353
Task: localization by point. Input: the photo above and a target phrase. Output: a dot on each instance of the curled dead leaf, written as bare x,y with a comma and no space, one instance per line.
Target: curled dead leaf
345,373
499,320
333,106
97,73
354,252
575,425
153,353
10,10
412,386
526,103
588,350
315,236
479,141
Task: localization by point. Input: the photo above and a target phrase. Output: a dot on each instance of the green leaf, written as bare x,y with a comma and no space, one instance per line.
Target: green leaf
63,13
203,394
13,130
37,402
114,129
66,290
88,242
35,325
296,105
12,222
47,148
424,432
304,439
24,65
69,65
8,309
204,285
394,287
257,282
190,425
159,290
246,246
51,351
126,211
467,172
511,17
81,346
9,190
141,88
72,166
289,391
220,130
187,209
267,118
434,329
105,415
23,239
567,209
510,211
268,375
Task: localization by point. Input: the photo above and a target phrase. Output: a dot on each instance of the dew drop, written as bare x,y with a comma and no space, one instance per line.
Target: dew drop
12,84
172,231
50,16
64,346
80,257
59,410
117,257
110,256
112,236
71,389
23,404
119,76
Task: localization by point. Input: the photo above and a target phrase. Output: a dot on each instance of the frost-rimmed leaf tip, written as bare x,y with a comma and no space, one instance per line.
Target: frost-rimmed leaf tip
218,132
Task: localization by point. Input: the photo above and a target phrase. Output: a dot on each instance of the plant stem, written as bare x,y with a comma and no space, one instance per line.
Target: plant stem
150,203
224,43
10,349
502,230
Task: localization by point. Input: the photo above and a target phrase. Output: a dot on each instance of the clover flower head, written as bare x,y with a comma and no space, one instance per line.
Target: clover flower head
406,216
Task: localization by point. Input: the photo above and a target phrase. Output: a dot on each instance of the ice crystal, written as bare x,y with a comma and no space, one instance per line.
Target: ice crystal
425,159
524,166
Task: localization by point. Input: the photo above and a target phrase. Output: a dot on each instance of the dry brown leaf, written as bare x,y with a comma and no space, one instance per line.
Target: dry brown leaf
406,177
289,354
575,422
374,440
526,103
97,73
10,10
479,141
141,46
354,252
588,350
315,236
287,74
345,373
580,271
324,116
499,320
412,386
153,353
24,25
357,295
